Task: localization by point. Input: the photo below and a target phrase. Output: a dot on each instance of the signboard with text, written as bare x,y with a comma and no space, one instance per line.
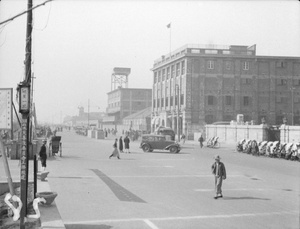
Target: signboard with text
6,95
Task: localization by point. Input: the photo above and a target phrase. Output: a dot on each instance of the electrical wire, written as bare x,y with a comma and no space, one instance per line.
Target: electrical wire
46,21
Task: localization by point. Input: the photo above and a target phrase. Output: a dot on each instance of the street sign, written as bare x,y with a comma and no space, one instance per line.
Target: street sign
24,99
6,95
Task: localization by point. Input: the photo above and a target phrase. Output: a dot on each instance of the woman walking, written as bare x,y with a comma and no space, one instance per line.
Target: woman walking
115,153
121,145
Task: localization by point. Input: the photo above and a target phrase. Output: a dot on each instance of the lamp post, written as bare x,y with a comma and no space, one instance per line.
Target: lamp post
292,91
178,109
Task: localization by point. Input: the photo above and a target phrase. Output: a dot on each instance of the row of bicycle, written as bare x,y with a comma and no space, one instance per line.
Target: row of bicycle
213,142
277,149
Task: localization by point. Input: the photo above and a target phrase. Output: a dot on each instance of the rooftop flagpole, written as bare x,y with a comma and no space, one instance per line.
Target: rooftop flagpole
169,27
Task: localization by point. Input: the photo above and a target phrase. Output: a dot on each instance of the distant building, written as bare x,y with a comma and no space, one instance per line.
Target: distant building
86,119
123,102
140,120
215,83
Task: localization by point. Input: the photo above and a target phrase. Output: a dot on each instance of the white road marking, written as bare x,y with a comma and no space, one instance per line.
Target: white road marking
257,214
156,166
235,189
150,224
171,176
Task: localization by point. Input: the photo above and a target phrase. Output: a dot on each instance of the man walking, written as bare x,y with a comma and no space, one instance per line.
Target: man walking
126,143
43,155
201,141
219,171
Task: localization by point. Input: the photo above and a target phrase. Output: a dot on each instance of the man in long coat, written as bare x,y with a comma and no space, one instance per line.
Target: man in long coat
121,144
126,142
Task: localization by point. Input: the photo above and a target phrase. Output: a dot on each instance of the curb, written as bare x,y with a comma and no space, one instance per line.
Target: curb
50,217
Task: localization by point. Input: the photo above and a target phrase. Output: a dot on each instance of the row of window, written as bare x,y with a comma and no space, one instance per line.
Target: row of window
170,72
165,101
179,69
212,100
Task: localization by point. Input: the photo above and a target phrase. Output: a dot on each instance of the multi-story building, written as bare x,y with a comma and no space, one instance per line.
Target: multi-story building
215,83
126,101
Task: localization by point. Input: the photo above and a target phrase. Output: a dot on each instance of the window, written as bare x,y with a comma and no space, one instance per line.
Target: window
281,81
177,69
246,101
210,100
246,65
247,81
173,71
171,101
158,77
182,67
228,100
210,64
168,72
182,99
228,65
163,74
157,102
296,82
155,77
153,103
162,102
167,99
280,64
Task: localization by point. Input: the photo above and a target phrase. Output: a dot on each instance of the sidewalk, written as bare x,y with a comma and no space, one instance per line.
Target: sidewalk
50,217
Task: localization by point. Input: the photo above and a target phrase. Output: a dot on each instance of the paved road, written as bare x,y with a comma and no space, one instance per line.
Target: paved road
160,190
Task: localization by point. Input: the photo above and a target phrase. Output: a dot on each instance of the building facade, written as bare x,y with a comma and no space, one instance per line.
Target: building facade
123,102
216,83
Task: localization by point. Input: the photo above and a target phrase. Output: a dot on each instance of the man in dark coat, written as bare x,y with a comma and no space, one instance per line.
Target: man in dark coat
201,141
126,142
43,155
219,171
121,145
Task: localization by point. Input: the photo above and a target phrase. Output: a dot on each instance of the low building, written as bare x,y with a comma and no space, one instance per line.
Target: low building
140,120
123,102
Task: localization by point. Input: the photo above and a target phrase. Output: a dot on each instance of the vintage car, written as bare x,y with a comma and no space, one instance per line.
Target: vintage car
152,142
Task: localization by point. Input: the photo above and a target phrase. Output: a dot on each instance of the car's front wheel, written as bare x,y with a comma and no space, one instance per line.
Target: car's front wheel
173,149
146,148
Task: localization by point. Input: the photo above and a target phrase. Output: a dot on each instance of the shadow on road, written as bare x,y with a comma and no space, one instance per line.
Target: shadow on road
244,198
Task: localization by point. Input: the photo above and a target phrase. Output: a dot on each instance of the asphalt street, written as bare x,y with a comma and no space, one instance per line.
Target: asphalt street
160,190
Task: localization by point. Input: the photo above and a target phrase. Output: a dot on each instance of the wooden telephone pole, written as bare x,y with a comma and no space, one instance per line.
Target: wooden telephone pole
24,96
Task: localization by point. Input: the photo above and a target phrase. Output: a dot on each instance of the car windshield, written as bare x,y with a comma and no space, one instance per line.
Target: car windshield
168,132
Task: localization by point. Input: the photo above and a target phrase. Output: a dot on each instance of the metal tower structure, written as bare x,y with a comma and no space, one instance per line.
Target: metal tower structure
119,78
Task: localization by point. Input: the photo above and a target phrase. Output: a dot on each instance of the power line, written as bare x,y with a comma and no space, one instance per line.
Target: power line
20,14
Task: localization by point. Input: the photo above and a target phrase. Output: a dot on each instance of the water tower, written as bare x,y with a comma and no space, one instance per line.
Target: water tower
119,78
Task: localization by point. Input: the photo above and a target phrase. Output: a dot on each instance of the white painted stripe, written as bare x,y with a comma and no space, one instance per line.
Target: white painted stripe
235,189
256,214
156,166
150,224
172,176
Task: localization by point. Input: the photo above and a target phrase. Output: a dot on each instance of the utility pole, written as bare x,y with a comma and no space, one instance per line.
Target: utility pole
88,113
292,90
178,109
24,109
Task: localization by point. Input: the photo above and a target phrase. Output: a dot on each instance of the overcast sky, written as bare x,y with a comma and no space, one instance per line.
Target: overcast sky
76,44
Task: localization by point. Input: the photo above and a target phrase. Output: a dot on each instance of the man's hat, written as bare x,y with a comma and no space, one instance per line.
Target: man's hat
45,140
217,157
